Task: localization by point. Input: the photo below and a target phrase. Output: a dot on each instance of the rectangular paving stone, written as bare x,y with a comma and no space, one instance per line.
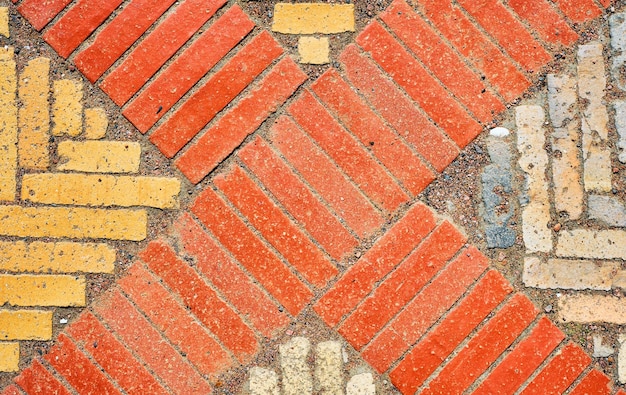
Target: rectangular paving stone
25,325
588,243
34,115
118,35
77,24
75,222
534,162
594,382
60,257
36,379
620,125
566,165
67,108
595,118
42,290
312,18
313,50
579,10
545,20
40,13
9,357
99,156
101,190
96,123
569,274
592,308
8,125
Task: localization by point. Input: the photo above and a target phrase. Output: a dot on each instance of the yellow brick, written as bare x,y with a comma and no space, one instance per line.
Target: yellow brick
311,18
61,257
9,357
100,190
8,125
79,223
42,290
99,156
4,22
67,109
313,50
96,123
34,116
25,325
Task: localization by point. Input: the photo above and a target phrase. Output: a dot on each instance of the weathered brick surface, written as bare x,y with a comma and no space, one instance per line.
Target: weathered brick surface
314,50
99,156
593,383
39,13
8,128
67,108
9,357
545,20
33,115
96,123
311,18
42,290
36,379
25,325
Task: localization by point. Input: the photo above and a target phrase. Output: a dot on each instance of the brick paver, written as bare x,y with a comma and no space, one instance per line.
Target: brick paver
273,226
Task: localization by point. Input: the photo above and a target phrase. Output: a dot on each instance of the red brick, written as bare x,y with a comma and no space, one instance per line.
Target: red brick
542,17
228,133
149,345
275,227
441,59
485,347
387,146
229,278
234,235
560,372
479,50
621,392
398,110
40,12
579,10
423,311
118,35
509,32
605,3
195,113
11,389
357,163
36,380
116,360
319,172
77,369
174,321
405,282
594,383
203,302
77,24
388,251
214,43
157,48
520,364
435,347
419,84
299,201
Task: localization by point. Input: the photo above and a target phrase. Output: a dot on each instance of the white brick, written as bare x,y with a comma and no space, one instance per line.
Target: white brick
296,373
263,382
569,274
592,308
329,368
598,244
361,384
620,125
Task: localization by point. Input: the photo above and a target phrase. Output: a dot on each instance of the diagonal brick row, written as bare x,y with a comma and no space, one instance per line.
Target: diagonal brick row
268,235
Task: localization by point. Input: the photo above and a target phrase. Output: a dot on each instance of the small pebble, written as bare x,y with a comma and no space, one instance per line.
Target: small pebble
557,227
63,321
548,308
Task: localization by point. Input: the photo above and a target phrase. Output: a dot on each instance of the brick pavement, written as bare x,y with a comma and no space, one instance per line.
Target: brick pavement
307,199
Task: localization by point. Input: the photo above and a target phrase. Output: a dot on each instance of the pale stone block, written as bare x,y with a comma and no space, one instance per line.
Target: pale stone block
607,209
361,384
618,42
329,368
8,125
566,166
598,244
311,18
620,125
99,156
595,118
314,50
569,274
42,290
67,108
293,361
25,325
534,162
592,308
601,350
621,359
263,382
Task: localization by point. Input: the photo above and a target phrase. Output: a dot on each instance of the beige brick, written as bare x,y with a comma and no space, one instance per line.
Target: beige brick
60,257
534,162
122,224
566,166
96,123
100,190
34,115
592,308
598,244
263,382
311,18
314,50
9,357
99,156
569,274
595,118
329,367
361,384
67,108
25,325
4,22
8,125
293,361
42,290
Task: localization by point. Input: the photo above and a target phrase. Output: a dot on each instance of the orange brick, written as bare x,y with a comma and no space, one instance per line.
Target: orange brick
541,15
594,382
36,379
39,13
